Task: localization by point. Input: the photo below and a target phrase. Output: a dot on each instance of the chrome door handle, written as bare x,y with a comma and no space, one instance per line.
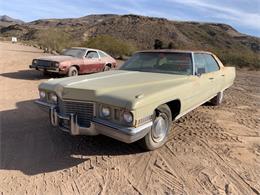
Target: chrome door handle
222,75
211,78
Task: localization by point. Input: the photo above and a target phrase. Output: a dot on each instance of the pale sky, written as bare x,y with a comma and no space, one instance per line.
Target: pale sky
243,15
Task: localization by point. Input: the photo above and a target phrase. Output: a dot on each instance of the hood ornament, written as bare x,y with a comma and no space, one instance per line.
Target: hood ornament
139,96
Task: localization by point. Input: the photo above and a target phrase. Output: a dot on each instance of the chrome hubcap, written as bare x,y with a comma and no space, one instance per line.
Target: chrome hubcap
160,128
74,73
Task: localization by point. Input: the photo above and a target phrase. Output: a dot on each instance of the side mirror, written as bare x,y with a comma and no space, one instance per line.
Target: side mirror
200,71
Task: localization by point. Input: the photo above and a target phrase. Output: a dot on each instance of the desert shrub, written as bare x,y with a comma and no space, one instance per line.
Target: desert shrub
158,44
170,45
54,40
115,47
239,59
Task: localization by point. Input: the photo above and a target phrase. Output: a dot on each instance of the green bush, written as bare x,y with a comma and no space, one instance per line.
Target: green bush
54,40
115,47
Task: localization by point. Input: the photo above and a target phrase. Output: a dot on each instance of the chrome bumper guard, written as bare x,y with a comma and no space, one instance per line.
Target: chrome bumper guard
49,69
73,128
98,126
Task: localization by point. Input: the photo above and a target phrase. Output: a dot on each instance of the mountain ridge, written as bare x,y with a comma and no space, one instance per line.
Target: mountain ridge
142,31
6,20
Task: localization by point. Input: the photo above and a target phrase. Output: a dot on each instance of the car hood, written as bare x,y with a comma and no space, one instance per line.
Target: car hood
59,58
127,89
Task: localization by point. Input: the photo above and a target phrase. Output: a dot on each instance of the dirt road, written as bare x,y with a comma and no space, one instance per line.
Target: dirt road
213,150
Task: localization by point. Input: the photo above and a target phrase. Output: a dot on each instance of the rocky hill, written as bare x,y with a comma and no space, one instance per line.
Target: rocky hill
142,32
7,20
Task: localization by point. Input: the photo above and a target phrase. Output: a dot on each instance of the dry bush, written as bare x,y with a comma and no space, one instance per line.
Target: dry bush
239,59
115,47
54,40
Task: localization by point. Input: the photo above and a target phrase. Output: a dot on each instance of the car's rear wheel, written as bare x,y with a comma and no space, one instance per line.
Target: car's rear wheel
218,99
162,124
73,71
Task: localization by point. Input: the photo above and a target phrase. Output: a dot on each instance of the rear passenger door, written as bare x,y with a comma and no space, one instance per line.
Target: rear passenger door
213,70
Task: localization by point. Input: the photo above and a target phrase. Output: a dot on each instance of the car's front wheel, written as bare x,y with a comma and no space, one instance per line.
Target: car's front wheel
73,71
107,67
162,124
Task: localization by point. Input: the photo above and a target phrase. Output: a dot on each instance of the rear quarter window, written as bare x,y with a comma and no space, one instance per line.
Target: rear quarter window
102,54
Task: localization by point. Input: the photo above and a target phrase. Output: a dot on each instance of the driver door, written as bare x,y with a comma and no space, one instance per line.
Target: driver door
92,62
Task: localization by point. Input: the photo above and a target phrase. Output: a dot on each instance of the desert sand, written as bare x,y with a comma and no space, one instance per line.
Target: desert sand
212,150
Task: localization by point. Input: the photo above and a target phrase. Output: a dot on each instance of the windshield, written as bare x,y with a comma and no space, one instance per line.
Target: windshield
74,52
161,62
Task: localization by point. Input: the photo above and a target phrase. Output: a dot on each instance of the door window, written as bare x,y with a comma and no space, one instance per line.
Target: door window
211,64
92,54
205,63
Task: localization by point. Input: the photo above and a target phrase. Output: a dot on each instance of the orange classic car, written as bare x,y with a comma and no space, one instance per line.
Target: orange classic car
74,61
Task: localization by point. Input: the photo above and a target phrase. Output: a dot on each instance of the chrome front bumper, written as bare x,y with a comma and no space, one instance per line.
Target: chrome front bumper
97,126
42,68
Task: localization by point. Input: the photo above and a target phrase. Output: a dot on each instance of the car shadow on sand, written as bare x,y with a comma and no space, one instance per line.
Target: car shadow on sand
31,145
34,75
28,75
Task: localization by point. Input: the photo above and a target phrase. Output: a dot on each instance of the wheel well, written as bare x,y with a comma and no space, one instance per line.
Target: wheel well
175,106
77,66
109,65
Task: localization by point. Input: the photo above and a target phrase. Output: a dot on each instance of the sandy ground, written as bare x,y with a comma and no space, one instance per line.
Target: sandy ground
212,150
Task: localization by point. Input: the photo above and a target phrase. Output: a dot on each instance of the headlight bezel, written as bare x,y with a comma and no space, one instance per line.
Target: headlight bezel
42,94
48,97
116,115
101,111
105,111
53,98
34,61
126,116
56,64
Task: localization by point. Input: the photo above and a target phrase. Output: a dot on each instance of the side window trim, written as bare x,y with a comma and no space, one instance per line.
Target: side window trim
195,64
99,57
86,53
92,51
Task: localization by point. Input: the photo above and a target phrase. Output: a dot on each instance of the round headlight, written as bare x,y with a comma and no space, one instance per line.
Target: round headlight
42,94
105,111
53,98
56,64
34,61
128,117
